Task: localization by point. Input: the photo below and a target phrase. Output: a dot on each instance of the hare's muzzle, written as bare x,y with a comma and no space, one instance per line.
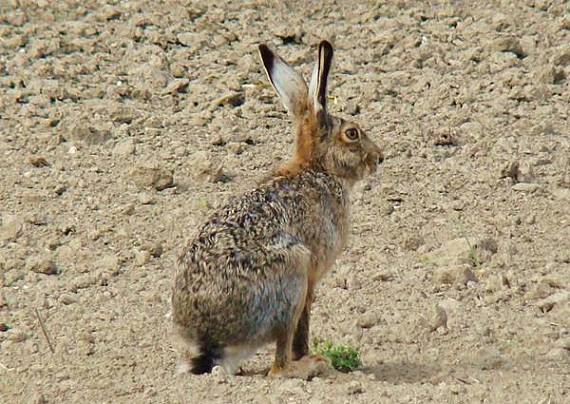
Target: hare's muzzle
380,158
374,157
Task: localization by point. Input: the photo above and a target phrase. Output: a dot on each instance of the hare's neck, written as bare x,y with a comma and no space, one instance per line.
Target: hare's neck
347,184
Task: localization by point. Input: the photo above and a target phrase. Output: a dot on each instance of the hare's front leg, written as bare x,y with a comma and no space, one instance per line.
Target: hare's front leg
301,339
282,355
294,343
289,301
306,367
281,365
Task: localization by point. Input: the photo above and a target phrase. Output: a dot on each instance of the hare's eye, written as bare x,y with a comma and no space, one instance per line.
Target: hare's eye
351,133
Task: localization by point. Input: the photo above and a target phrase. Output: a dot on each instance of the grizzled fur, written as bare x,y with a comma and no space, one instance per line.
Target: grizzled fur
248,277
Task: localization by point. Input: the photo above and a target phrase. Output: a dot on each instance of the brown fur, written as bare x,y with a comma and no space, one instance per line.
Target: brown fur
306,134
249,276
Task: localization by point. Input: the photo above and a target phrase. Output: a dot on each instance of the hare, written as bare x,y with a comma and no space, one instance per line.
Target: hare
248,278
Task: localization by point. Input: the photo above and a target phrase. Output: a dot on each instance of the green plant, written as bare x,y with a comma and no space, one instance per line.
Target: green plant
343,358
473,256
473,253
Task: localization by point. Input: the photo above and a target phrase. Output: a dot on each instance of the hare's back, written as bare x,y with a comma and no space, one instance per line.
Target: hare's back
260,228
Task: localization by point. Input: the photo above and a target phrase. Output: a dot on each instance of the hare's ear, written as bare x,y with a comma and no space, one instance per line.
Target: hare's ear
288,84
319,79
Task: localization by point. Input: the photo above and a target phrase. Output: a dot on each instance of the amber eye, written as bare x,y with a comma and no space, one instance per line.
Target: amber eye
351,133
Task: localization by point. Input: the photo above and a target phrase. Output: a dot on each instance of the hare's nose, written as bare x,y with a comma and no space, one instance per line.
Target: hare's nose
379,155
380,158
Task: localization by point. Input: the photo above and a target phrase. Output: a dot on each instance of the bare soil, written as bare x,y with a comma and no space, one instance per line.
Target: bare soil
123,124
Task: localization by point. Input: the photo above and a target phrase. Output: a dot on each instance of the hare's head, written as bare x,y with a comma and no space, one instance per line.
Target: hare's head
323,141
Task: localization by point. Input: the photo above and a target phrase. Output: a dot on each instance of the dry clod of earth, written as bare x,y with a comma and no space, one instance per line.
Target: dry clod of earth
462,251
488,358
508,44
42,265
124,148
152,177
38,161
68,298
205,167
557,299
439,319
368,320
355,387
458,275
103,103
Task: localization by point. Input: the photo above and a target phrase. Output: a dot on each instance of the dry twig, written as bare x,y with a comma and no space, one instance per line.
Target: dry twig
44,331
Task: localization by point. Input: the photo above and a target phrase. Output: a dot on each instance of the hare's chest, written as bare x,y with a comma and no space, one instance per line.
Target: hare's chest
338,229
333,239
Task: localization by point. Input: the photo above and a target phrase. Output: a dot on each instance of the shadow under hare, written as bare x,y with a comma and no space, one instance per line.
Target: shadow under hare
248,278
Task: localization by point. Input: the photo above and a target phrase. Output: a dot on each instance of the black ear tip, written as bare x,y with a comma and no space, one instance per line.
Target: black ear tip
326,45
266,55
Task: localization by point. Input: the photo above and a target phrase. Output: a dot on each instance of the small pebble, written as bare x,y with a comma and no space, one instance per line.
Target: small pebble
38,161
368,320
355,387
42,265
508,44
219,374
124,148
439,319
205,167
142,257
525,187
68,299
235,147
455,275
488,358
155,249
177,86
129,208
152,177
353,283
146,198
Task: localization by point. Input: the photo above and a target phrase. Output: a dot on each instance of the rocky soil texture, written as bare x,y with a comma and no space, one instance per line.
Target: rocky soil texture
124,123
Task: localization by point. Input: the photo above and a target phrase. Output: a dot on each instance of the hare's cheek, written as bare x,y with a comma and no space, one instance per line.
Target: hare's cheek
353,159
372,163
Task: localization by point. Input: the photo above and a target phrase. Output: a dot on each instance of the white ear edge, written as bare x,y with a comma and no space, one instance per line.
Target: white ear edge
313,87
288,84
320,75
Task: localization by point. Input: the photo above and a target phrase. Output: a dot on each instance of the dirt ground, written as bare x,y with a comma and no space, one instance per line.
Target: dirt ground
123,124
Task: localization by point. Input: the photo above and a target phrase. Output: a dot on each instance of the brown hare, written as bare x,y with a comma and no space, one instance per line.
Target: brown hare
248,278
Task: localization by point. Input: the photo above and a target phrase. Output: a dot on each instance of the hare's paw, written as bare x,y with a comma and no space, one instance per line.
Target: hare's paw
317,360
311,366
276,372
305,368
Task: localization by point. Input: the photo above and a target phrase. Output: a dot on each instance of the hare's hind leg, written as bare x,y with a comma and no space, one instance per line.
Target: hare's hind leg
234,355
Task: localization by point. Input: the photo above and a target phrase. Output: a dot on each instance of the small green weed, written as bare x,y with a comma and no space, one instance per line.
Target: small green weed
343,358
473,256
